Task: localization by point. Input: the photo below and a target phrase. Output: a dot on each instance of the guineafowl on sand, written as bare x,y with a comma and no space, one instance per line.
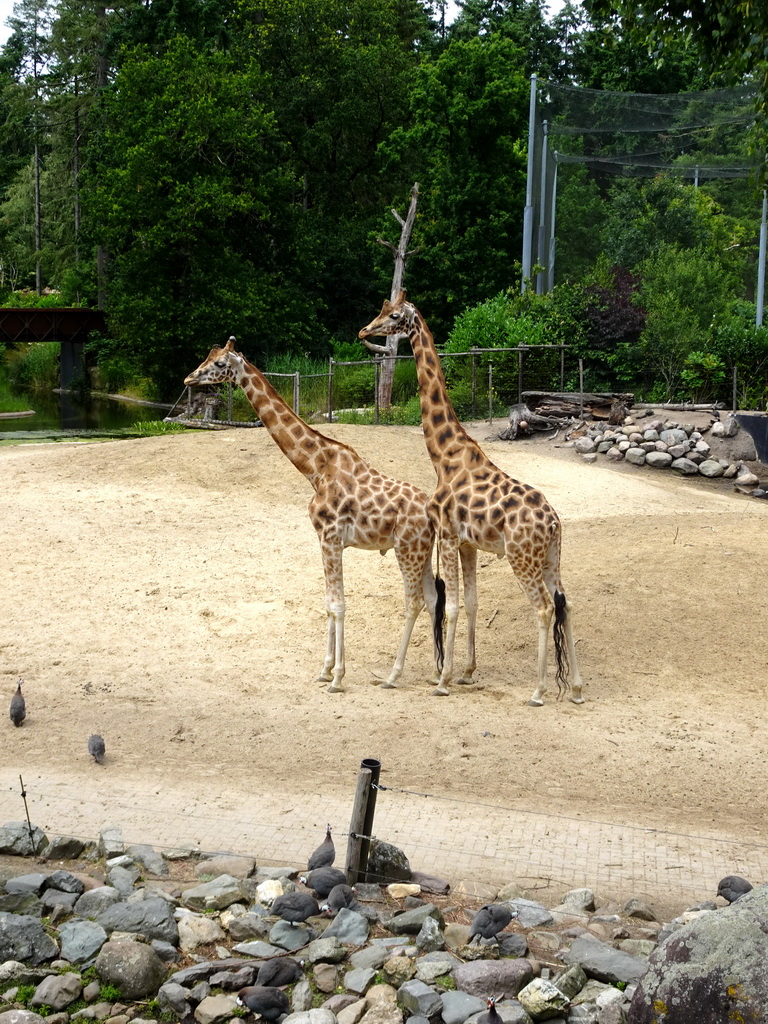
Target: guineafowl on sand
96,748
18,710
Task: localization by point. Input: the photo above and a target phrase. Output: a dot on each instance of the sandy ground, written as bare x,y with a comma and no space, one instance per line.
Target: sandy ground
167,592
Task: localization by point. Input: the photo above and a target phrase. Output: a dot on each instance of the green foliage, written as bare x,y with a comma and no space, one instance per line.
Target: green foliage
743,348
35,365
24,993
110,993
703,374
31,300
153,427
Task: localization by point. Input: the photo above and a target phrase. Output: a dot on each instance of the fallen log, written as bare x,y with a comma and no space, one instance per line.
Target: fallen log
612,406
524,421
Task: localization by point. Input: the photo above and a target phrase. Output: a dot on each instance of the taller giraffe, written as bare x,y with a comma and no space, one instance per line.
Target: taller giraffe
353,506
475,506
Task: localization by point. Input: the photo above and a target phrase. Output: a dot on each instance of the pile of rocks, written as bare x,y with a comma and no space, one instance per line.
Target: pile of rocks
666,444
114,938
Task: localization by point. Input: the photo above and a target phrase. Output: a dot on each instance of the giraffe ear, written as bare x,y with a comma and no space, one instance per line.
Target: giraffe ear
400,296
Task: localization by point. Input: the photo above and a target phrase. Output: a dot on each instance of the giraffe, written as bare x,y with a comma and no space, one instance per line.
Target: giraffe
353,506
476,507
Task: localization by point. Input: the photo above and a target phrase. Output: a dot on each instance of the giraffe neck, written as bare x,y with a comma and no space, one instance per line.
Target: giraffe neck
306,448
444,435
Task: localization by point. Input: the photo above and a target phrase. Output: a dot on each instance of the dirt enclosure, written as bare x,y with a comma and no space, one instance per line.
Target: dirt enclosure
168,593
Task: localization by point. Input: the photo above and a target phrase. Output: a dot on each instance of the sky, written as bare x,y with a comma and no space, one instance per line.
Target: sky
6,9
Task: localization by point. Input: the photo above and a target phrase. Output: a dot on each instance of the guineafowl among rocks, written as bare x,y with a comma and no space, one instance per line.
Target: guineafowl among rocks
322,880
278,972
96,748
340,897
268,1002
733,887
18,709
295,907
491,1015
490,920
324,855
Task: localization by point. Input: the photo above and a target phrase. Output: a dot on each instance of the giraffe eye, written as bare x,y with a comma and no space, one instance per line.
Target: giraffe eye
221,363
395,316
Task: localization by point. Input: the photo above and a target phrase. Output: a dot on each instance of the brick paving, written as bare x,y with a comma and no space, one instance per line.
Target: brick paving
477,847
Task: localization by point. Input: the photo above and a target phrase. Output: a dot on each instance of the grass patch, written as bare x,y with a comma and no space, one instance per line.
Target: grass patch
149,428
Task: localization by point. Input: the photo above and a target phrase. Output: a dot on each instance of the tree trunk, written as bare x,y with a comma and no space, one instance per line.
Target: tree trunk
400,253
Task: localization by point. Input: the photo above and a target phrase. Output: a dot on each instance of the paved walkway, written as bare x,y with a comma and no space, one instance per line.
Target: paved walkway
477,847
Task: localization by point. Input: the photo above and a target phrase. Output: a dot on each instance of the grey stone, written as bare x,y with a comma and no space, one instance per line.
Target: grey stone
196,930
711,468
257,948
215,1008
165,950
233,981
673,436
531,914
635,456
21,903
541,999
499,977
579,899
15,838
290,936
152,918
359,980
57,991
132,967
428,970
326,951
430,938
55,898
419,998
96,901
513,944
302,996
65,881
410,922
21,1017
64,848
374,956
172,997
640,909
326,976
123,879
227,864
687,467
382,1012
457,1006
315,1016
602,961
511,1012
152,862
350,927
34,883
584,445
96,1011
23,938
387,863
658,460
249,926
111,843
81,940
218,894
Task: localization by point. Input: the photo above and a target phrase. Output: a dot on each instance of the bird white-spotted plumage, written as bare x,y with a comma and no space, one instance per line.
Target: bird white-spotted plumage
340,897
324,855
322,880
490,920
278,971
96,748
265,1000
733,887
295,906
18,708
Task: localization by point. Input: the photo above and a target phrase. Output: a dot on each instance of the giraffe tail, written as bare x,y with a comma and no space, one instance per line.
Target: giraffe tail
561,657
438,623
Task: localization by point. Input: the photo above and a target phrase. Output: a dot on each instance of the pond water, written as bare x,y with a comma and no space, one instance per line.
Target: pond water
61,417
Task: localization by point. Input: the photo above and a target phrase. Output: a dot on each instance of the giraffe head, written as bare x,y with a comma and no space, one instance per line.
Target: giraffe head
396,317
220,364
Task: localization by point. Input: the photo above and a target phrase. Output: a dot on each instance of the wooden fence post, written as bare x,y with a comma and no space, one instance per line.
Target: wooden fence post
361,821
330,390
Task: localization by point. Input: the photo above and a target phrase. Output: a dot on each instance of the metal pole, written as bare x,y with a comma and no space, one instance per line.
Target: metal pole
562,369
29,823
760,297
541,277
528,212
474,384
551,250
581,389
330,390
490,392
735,383
519,375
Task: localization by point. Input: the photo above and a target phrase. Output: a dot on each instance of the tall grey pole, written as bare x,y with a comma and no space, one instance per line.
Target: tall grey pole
761,267
551,248
541,246
528,214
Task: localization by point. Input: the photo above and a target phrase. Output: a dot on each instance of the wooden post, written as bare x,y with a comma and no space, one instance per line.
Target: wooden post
735,387
361,821
562,367
296,387
376,378
474,384
490,392
581,389
519,375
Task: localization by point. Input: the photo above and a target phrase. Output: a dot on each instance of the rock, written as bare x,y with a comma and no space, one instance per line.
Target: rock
658,460
387,863
602,961
290,936
711,969
326,951
302,996
584,445
15,838
419,998
23,938
21,1017
268,891
399,969
63,848
81,940
571,980
111,842
635,456
349,1013
249,926
152,862
359,980
457,1006
197,931
21,903
215,895
65,881
215,1008
315,1016
747,479
349,927
541,999
123,878
531,914
428,970
57,991
428,883
374,956
711,468
513,944
233,981
257,948
501,978
152,918
94,902
165,950
172,998
430,938
637,908
229,864
687,467
673,436
325,977
410,922
132,967
385,1012
456,935
579,899
33,883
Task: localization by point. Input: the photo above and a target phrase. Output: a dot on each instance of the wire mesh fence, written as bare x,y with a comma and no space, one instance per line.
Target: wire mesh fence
477,846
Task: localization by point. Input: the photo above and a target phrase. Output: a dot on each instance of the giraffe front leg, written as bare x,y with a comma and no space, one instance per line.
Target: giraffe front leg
543,619
326,673
469,573
334,666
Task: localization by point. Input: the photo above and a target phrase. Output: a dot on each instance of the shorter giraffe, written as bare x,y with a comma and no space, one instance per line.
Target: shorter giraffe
477,507
353,506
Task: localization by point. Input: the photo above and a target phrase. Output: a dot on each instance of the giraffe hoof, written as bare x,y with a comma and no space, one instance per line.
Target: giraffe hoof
389,686
333,688
440,691
535,703
577,700
466,681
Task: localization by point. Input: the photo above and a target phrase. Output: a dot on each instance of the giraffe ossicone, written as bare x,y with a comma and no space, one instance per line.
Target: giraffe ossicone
477,507
353,506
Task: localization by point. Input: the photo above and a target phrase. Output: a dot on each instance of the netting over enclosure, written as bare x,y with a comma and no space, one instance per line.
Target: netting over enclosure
695,135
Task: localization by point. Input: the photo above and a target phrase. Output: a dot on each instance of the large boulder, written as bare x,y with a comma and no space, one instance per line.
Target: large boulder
23,938
81,940
387,863
132,967
711,970
152,918
17,837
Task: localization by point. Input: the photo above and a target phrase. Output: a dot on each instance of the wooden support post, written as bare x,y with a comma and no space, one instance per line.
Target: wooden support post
490,392
474,384
376,379
330,390
361,821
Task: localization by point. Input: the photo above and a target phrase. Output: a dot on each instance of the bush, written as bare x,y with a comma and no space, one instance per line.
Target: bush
36,365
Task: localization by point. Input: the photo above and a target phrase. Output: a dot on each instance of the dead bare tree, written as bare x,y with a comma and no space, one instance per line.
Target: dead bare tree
400,253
